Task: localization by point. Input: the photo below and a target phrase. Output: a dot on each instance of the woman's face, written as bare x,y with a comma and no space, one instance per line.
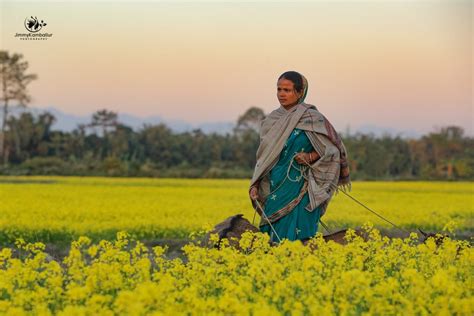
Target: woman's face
286,93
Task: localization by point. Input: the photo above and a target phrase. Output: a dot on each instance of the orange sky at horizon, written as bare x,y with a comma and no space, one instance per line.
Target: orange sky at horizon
403,65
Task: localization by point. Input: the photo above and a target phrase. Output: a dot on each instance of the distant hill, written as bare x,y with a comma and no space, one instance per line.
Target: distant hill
68,122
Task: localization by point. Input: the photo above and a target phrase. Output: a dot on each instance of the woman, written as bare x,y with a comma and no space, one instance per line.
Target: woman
301,161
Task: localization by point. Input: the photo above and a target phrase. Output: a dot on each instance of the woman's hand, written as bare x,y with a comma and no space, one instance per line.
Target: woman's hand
253,193
306,158
302,158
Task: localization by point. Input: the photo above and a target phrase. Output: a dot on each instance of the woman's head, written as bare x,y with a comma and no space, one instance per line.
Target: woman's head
291,88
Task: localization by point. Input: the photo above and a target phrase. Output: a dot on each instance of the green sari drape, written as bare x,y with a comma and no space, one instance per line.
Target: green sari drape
286,183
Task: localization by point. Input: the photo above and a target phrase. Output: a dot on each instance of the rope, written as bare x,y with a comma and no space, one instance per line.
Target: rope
324,225
360,203
302,170
269,223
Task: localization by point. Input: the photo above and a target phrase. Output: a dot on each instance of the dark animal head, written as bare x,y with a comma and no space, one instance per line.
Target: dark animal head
232,228
438,238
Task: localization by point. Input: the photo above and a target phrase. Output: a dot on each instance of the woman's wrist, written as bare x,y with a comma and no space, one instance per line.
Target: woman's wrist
313,156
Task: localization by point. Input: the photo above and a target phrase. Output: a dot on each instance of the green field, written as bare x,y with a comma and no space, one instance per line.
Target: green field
59,209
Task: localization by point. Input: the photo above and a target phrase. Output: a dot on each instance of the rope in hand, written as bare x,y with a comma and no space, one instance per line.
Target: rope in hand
302,170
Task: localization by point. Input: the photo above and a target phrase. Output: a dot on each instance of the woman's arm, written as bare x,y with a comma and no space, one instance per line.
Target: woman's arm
253,191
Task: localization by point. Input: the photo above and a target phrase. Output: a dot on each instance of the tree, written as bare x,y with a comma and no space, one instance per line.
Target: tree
13,81
30,135
104,119
251,119
157,142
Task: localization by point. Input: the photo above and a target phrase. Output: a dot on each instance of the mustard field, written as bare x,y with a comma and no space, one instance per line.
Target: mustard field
120,277
109,271
50,209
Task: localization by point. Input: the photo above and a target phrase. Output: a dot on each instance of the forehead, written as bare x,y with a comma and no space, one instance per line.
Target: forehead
285,83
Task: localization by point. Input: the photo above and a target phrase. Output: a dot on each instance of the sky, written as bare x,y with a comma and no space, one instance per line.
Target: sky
405,65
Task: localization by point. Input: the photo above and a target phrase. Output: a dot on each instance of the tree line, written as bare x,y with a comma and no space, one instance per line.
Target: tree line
106,147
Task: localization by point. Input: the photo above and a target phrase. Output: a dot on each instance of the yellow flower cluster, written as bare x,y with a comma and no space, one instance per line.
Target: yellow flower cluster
64,208
379,277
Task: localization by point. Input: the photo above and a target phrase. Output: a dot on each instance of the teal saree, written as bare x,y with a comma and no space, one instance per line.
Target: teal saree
286,183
